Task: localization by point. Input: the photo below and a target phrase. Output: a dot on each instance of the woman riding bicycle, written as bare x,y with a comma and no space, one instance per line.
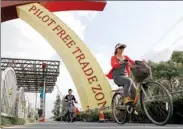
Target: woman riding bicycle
120,73
70,99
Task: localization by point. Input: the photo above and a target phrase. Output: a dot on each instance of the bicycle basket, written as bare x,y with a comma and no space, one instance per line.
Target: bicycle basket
140,71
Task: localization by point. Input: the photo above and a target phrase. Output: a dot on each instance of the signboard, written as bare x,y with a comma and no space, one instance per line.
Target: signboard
90,81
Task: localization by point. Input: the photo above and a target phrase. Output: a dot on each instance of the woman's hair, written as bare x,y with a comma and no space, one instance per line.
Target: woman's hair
115,52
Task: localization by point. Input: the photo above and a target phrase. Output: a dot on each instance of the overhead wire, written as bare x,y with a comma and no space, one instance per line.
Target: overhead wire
175,25
175,42
59,91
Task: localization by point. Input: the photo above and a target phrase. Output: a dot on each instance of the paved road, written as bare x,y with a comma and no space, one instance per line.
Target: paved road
85,125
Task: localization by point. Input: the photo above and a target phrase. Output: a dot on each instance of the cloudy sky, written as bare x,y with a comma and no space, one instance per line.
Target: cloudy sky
151,30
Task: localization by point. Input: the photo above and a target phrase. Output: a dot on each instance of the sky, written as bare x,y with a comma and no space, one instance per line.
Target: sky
151,31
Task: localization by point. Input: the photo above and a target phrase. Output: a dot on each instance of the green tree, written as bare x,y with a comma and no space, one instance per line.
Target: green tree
63,107
57,107
171,71
177,56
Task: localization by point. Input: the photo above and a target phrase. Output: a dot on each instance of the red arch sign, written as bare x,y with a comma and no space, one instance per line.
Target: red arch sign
8,8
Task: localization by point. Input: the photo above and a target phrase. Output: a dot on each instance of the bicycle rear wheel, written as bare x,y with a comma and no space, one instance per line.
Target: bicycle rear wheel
118,109
157,103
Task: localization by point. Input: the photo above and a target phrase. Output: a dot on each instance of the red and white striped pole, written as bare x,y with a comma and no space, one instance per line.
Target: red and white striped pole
43,100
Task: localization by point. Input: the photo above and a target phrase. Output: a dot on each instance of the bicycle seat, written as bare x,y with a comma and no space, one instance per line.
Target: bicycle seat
118,90
120,85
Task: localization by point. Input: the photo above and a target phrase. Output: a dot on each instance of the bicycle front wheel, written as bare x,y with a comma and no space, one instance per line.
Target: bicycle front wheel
157,103
118,108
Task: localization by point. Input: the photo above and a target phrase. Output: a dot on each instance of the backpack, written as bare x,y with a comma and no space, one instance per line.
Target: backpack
140,71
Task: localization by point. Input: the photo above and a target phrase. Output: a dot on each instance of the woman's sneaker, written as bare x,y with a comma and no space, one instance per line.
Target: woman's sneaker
135,112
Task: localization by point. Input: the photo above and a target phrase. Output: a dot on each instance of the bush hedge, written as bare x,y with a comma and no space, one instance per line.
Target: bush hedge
177,118
7,121
93,115
178,111
31,121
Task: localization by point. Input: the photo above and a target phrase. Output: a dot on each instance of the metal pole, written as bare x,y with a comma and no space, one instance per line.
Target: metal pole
44,90
27,107
0,97
36,100
44,98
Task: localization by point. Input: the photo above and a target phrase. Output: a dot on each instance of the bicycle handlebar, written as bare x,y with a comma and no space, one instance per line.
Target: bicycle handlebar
72,101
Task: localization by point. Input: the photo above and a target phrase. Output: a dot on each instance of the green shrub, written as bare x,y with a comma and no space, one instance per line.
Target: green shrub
108,115
31,120
79,117
93,116
17,121
177,117
7,121
58,118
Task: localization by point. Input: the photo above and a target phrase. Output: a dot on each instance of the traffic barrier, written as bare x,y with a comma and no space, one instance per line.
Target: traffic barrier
101,116
42,119
76,111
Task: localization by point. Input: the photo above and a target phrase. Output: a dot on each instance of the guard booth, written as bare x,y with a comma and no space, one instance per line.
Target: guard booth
33,75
